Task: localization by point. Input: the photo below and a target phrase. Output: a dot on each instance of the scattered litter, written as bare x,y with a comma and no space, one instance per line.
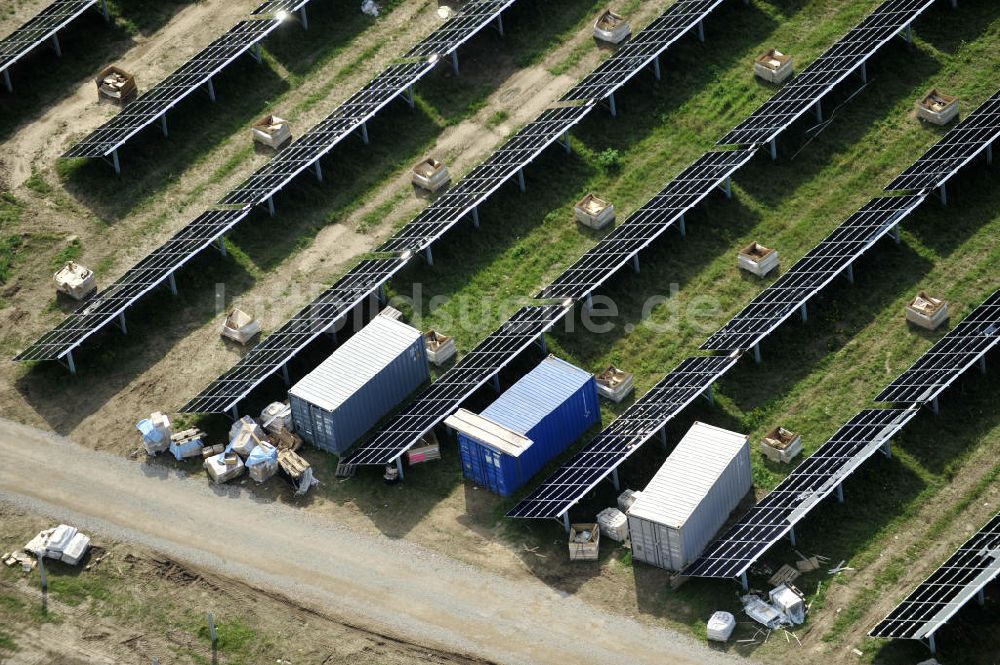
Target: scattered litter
75,280
784,575
761,612
757,259
626,499
614,384
244,436
790,602
430,175
721,626
224,467
857,652
781,445
188,443
426,450
297,470
839,568
370,8
774,66
613,523
240,326
584,542
594,212
937,108
277,416
345,470
440,348
612,28
156,432
64,543
262,462
926,311
116,85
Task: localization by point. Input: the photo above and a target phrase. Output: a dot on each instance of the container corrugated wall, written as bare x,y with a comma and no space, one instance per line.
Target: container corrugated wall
553,405
363,380
690,497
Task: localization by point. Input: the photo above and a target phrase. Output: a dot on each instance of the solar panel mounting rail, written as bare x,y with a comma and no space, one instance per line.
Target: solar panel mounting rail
42,27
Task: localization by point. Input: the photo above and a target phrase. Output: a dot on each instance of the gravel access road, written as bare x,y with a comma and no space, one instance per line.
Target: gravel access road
384,584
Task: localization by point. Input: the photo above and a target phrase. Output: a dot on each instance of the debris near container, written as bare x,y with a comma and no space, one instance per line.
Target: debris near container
272,131
721,626
584,542
277,416
784,575
212,451
594,212
790,602
937,108
187,443
440,348
612,27
297,471
781,445
614,384
224,467
245,435
808,565
774,66
345,470
426,450
115,85
262,462
926,311
75,280
285,440
391,312
23,559
758,259
64,543
760,611
614,524
626,499
391,475
240,326
156,432
430,174
839,568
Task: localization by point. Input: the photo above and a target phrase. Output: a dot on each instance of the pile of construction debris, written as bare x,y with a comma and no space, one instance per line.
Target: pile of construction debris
261,447
63,543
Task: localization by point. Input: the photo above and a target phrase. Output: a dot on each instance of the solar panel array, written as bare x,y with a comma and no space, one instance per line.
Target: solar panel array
323,314
166,94
519,151
812,272
473,17
323,137
643,419
146,275
959,146
948,589
39,28
197,235
630,58
944,362
456,385
794,497
646,224
801,93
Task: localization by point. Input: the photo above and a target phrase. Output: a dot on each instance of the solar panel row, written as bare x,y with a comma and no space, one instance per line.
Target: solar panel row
153,104
812,272
39,28
974,135
321,315
160,266
646,224
473,17
639,423
813,480
456,385
849,54
974,565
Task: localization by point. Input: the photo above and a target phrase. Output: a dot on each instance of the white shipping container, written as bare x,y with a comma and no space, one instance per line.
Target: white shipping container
690,497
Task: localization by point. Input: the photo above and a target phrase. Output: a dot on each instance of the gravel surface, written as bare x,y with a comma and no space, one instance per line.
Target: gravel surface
390,584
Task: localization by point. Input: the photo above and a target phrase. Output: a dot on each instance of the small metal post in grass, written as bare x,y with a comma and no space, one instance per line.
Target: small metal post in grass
45,583
214,637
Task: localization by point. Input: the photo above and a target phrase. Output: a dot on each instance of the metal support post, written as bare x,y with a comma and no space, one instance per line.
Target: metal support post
635,263
565,520
930,643
495,382
774,149
429,255
701,31
682,226
211,89
589,302
819,110
104,10
234,413
6,81
791,536
982,365
887,449
121,323
318,169
710,394
172,281
981,597
935,407
840,493
756,353
475,217
270,206
895,234
611,101
943,193
727,187
55,45
399,466
222,247
989,155
542,344
70,363
954,4
115,162
409,97
565,143
305,18
257,54
663,437
454,61
364,133
804,311
656,67
864,72
743,581
381,294
500,25
615,481
163,124
850,273
520,179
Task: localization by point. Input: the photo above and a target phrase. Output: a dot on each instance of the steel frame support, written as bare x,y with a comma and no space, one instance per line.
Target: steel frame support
989,155
588,304
895,234
475,216
399,466
565,521
791,536
520,179
7,82
163,125
943,193
495,382
104,10
55,45
682,226
284,374
172,282
774,149
727,187
635,263
211,89
804,312
656,67
663,437
565,142
743,581
256,52
270,206
930,643
364,133
840,493
850,273
615,480
907,33
499,25
115,163
887,449
819,110
542,344
701,31
221,244
234,413
305,17
429,255
981,597
318,170
70,363
709,394
756,353
982,365
122,324
863,69
408,96
935,407
454,62
611,102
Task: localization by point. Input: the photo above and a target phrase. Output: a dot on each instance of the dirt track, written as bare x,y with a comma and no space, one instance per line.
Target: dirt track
388,585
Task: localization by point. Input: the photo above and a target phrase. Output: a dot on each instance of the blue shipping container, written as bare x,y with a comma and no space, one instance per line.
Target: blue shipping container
538,417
